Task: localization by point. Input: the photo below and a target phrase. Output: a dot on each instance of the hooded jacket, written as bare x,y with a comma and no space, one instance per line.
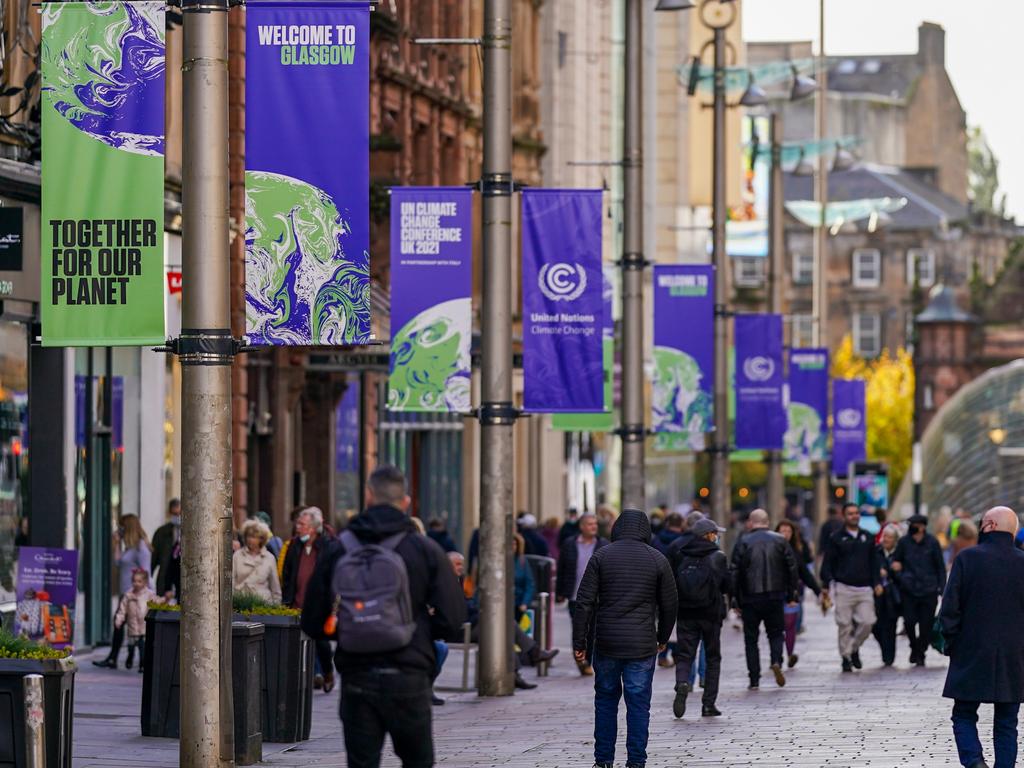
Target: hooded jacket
432,584
697,548
629,591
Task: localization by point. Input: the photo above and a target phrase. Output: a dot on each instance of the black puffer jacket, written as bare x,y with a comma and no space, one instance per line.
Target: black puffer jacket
629,590
688,546
763,564
924,570
432,584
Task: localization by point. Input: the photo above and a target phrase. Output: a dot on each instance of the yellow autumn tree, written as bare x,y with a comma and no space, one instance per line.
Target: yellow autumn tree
890,404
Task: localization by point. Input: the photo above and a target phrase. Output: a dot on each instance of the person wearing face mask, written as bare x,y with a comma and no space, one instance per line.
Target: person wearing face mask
922,574
165,539
300,561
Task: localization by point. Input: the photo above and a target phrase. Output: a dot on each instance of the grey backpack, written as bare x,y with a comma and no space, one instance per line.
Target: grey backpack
370,586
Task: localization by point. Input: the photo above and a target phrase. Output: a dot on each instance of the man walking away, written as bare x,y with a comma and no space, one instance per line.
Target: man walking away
628,591
851,567
165,539
765,578
982,620
922,573
386,665
702,580
572,564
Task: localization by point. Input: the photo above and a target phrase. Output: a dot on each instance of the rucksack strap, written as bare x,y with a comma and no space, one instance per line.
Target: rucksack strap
353,544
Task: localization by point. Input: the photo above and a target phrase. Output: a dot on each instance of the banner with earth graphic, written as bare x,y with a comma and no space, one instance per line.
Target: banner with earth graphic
760,410
684,317
807,411
431,299
102,234
307,173
849,424
563,306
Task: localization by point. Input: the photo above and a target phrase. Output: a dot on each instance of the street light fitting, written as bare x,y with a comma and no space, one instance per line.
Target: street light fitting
754,96
674,5
804,167
844,160
803,86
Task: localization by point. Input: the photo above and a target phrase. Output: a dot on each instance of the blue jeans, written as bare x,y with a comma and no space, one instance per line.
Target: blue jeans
700,667
1004,733
441,655
612,678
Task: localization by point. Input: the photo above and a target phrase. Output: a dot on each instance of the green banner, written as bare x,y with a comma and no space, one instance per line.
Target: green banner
103,174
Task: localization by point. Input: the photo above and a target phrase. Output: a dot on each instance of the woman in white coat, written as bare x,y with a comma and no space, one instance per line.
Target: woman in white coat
253,568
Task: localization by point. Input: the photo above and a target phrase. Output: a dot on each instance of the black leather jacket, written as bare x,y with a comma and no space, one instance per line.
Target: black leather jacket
763,564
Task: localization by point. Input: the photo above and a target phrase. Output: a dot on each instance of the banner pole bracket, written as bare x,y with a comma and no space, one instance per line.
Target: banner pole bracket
205,346
498,414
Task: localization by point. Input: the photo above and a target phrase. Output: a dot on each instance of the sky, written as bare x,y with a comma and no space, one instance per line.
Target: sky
983,55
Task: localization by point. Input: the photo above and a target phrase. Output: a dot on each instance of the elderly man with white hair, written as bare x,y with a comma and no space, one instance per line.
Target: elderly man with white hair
982,620
304,551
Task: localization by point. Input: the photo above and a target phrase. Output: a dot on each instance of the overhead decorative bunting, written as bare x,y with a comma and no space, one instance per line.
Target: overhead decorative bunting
849,424
102,106
431,299
563,310
684,316
307,173
760,411
808,212
807,410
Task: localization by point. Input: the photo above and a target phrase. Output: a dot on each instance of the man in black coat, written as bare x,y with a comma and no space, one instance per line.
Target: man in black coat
629,591
573,558
922,572
766,578
390,693
702,581
982,620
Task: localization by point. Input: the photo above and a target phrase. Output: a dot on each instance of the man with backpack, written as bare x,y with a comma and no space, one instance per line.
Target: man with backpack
765,577
385,593
702,581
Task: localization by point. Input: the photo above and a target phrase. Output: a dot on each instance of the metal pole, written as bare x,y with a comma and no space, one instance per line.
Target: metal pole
35,726
497,413
541,630
776,272
205,349
721,490
820,295
632,429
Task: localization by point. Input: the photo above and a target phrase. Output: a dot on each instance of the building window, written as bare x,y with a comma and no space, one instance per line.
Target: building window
803,331
867,268
749,273
867,334
803,268
921,267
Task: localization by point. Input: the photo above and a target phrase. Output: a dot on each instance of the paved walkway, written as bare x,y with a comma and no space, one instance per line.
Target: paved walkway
885,718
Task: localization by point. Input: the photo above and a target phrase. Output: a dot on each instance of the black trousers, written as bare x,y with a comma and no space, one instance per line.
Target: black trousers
689,633
918,617
885,633
771,611
387,702
324,657
116,642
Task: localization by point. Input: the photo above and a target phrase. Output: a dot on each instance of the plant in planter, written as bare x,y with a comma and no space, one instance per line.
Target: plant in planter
20,656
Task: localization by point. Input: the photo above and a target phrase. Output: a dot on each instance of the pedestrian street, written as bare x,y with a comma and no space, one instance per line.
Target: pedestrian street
883,718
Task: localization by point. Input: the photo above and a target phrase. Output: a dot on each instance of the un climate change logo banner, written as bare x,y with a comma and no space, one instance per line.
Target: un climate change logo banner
849,424
431,299
102,106
760,409
563,304
307,173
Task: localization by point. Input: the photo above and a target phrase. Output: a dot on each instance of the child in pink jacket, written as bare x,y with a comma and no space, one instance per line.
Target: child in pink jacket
131,613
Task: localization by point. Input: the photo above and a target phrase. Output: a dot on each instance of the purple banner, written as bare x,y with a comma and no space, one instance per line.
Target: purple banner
563,311
849,424
807,410
307,173
431,299
760,410
684,356
346,428
46,589
117,412
80,430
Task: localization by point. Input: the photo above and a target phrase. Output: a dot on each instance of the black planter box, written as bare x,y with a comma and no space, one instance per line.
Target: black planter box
287,684
161,682
58,707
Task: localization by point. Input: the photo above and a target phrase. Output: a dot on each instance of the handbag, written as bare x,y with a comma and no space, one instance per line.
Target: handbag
938,641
